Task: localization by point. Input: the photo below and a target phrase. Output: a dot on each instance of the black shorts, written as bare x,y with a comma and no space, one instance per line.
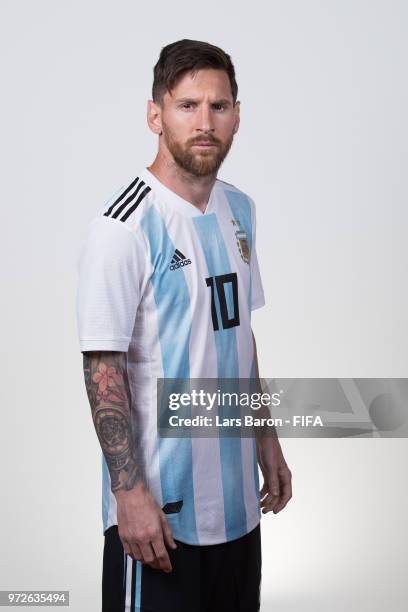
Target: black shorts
218,578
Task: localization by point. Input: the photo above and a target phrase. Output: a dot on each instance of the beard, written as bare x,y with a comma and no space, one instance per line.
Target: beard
194,161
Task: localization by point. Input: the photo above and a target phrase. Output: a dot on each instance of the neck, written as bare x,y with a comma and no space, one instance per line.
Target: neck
194,189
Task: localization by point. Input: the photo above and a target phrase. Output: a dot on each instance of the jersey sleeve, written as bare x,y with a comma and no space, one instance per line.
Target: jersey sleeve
112,272
257,292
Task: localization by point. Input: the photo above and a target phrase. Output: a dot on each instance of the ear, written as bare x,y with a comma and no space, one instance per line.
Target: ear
154,117
237,116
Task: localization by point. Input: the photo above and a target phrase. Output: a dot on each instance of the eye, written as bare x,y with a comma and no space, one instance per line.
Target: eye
219,106
187,105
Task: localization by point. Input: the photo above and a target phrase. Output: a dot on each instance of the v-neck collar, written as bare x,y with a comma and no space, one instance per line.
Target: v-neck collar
174,200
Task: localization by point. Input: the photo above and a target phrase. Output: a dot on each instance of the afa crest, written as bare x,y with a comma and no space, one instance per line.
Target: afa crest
242,242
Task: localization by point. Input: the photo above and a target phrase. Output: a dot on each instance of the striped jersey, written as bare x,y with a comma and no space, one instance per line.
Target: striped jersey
174,288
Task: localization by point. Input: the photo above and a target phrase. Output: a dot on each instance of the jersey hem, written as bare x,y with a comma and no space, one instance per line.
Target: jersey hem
104,345
236,534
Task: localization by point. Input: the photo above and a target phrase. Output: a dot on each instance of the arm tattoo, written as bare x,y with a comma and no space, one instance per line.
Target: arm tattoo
108,392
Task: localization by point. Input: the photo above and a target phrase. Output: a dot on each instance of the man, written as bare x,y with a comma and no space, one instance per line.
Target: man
168,279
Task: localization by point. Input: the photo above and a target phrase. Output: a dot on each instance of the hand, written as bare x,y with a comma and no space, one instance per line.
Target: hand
143,527
277,487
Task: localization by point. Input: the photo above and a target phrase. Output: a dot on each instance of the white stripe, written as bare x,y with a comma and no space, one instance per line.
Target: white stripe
112,505
250,494
128,592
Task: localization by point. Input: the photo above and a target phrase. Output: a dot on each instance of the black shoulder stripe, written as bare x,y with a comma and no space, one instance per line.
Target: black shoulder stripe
122,195
128,200
136,204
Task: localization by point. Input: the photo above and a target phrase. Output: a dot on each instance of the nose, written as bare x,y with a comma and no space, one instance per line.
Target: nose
205,119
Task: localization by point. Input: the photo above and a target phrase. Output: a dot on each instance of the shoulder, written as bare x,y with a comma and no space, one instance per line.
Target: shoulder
127,205
115,230
237,196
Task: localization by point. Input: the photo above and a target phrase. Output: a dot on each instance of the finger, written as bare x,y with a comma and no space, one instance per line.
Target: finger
162,555
129,553
136,553
126,547
286,496
268,507
269,499
147,553
269,503
269,493
286,489
264,490
154,565
167,532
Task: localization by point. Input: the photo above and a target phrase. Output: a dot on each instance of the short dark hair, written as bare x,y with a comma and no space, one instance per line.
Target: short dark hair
178,58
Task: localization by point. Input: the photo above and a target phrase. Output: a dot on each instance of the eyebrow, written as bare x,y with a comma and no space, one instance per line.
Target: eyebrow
188,99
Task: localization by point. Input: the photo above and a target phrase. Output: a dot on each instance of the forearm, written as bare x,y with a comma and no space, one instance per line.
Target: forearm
267,431
107,386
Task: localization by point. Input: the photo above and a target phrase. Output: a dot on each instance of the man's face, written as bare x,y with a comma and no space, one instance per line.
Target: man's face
199,121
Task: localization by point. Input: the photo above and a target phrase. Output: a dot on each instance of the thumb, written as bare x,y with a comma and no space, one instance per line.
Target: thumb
168,534
264,489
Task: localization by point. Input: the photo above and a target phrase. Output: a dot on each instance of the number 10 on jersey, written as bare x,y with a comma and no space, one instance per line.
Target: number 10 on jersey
225,286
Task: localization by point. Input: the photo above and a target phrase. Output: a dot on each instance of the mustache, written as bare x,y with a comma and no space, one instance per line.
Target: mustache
210,139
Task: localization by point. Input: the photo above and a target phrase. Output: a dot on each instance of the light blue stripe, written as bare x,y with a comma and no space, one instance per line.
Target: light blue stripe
174,321
105,492
241,210
138,590
230,301
217,260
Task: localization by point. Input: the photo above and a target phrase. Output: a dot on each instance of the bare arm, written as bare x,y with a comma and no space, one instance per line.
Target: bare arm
108,392
277,486
142,525
267,431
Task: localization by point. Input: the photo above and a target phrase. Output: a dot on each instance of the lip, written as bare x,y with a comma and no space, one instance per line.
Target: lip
204,144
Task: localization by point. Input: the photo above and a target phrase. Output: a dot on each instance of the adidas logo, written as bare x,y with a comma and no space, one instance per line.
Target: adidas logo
179,260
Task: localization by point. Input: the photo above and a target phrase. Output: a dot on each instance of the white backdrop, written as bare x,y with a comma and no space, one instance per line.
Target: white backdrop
322,149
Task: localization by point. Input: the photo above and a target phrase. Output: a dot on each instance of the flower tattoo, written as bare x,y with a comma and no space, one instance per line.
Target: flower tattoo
110,384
